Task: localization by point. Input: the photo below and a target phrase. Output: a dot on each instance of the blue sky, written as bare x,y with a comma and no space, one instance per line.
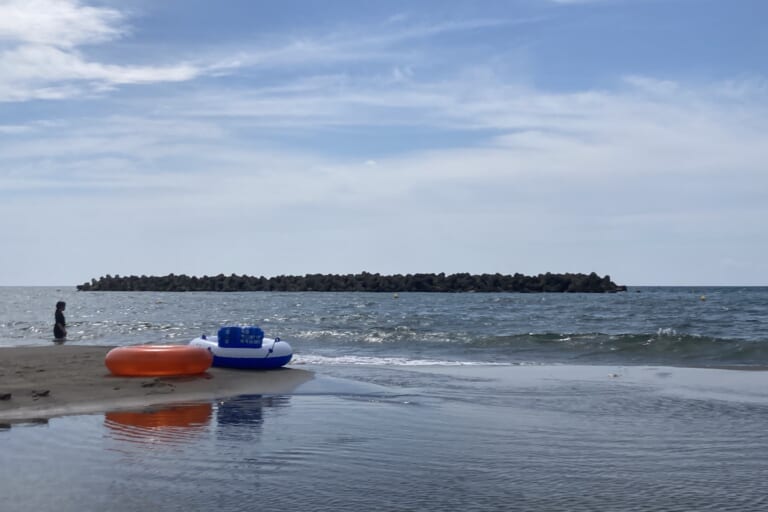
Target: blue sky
625,137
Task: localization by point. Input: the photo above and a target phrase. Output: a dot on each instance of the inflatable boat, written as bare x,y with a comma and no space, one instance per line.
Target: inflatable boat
245,347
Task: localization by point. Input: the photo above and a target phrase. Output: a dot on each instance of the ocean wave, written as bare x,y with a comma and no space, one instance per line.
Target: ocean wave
314,359
666,345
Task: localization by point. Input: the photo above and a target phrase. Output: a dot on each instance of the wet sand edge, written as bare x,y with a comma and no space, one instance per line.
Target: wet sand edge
43,382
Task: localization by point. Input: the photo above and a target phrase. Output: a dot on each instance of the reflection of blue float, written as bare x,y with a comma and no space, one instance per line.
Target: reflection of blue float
245,347
244,410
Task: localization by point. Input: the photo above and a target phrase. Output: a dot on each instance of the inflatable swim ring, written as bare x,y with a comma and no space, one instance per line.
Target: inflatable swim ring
246,352
157,360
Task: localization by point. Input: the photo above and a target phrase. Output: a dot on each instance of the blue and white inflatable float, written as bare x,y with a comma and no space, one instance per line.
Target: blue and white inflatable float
245,347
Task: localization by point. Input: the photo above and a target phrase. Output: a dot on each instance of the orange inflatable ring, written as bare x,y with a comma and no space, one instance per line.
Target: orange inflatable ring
158,360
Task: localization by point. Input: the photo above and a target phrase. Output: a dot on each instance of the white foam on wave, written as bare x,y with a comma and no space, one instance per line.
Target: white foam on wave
385,361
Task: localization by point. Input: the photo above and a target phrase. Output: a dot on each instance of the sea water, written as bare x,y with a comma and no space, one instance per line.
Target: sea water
420,402
646,325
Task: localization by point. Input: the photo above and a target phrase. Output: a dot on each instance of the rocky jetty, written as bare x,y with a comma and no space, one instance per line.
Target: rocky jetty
363,282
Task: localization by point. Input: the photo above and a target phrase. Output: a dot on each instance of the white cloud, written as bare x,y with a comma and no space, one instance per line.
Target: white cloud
596,138
41,59
667,169
13,129
389,44
44,56
606,177
653,86
60,23
41,64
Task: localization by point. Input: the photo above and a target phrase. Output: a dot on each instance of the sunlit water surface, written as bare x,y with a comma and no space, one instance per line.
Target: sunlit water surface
428,402
429,439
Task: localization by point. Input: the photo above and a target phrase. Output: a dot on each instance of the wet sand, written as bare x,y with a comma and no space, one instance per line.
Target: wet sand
43,382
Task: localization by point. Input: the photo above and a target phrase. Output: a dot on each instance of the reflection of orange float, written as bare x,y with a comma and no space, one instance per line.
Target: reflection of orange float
176,416
158,360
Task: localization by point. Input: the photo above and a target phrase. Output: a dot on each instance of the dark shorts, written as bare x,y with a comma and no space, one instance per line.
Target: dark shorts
58,333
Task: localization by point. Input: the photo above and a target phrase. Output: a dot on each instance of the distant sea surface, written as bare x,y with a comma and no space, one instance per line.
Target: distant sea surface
645,325
428,402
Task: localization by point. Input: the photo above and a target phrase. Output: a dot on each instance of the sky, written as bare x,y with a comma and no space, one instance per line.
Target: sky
623,137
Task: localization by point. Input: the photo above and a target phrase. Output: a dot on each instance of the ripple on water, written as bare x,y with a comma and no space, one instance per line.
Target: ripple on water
429,440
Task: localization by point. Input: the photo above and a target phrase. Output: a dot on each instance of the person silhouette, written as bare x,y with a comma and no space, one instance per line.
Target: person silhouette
60,327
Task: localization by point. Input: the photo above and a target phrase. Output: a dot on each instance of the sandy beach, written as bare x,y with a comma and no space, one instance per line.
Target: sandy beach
42,382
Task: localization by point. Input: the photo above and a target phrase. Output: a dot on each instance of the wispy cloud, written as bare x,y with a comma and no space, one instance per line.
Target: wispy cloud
41,58
43,55
366,137
390,42
59,23
671,129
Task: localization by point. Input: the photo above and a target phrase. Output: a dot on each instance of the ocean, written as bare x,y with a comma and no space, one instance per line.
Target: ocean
650,399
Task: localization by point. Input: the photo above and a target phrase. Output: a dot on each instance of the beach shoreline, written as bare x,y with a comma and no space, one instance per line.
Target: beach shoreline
39,383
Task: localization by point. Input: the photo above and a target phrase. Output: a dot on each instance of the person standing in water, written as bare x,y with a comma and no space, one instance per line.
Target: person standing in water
60,327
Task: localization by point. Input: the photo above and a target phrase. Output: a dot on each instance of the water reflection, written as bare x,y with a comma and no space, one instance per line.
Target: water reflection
235,418
183,422
242,417
168,424
243,410
31,422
